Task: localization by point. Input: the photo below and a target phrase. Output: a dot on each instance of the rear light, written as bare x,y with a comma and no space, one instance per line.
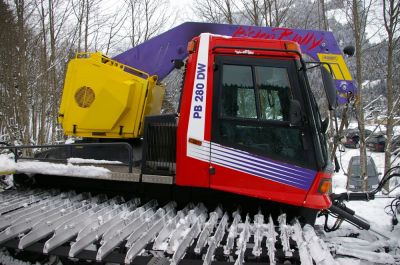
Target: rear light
325,186
318,194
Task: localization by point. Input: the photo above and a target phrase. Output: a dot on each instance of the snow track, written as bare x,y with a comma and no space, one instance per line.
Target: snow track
102,229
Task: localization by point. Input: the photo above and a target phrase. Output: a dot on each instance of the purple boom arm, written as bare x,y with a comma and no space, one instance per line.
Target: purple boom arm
155,55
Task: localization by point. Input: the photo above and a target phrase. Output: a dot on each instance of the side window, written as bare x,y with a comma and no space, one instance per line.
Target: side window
237,97
274,90
254,112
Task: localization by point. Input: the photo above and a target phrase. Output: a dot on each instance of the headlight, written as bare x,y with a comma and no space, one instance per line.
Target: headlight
375,186
351,186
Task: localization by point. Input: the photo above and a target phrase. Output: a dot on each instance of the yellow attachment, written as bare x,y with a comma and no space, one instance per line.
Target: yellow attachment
103,98
338,65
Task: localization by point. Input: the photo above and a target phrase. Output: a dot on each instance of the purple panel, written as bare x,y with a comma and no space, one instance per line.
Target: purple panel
155,55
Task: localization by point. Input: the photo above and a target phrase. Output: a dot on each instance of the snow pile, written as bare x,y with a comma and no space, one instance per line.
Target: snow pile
7,164
76,160
34,167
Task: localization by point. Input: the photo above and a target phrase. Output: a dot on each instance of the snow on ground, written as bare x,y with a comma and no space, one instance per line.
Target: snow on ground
75,160
372,211
368,210
7,164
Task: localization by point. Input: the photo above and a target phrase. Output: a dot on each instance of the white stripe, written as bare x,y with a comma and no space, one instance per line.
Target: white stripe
227,158
252,172
198,107
232,151
194,152
245,161
237,162
202,153
245,170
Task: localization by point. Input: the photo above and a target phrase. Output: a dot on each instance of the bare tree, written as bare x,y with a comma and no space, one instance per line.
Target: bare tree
22,97
275,12
78,9
252,11
322,15
117,22
147,19
297,14
359,14
391,12
8,69
216,11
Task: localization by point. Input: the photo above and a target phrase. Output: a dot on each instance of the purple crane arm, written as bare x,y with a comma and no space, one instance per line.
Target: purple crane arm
155,56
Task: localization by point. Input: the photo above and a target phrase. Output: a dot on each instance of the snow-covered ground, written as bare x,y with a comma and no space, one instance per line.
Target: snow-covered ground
372,211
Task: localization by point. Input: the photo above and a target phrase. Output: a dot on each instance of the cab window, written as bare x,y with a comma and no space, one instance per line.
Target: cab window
253,112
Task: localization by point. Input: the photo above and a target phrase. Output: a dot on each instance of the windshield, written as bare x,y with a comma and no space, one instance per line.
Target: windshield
320,105
317,89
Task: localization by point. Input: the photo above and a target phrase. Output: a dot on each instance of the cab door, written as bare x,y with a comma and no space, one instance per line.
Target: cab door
254,149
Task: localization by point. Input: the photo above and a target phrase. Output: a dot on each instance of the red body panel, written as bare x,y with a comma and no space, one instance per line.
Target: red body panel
315,199
241,183
196,172
189,171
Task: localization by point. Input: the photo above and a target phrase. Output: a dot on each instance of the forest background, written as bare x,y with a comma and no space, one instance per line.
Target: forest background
39,37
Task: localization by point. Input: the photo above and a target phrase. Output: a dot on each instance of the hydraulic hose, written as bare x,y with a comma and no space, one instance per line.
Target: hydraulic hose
345,214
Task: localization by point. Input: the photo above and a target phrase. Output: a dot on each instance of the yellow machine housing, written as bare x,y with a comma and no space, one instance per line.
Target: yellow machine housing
103,98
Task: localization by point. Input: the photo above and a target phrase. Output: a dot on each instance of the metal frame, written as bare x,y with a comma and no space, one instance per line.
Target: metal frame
159,145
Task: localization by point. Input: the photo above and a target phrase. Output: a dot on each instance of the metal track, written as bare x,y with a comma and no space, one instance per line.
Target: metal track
97,228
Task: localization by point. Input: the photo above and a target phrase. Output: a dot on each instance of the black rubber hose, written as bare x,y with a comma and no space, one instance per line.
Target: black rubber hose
352,196
365,196
345,208
349,217
361,196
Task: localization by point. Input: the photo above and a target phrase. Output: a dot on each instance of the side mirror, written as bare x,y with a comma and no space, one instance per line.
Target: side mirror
295,112
349,50
330,88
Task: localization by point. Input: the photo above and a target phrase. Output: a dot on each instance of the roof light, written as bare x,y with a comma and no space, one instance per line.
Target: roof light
191,47
291,45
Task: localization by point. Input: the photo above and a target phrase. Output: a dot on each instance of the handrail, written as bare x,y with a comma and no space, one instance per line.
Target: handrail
104,59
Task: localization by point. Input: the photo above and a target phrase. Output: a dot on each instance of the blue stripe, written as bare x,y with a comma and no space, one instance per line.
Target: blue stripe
263,166
255,165
304,187
243,154
294,171
257,172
